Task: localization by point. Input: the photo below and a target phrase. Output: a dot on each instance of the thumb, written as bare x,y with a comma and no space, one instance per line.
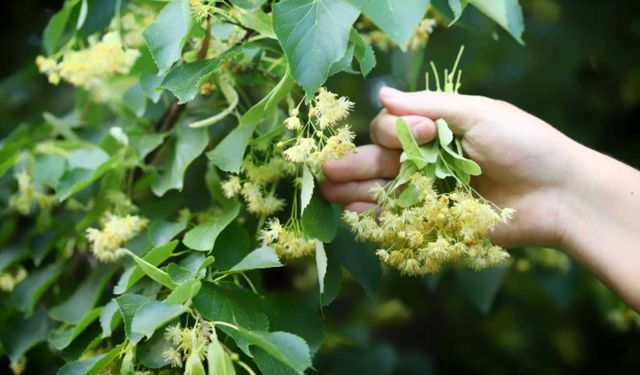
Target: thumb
460,111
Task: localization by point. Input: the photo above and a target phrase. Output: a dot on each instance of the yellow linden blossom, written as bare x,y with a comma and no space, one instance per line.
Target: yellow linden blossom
231,187
337,146
8,280
200,9
27,195
258,203
289,243
420,36
88,68
19,366
293,121
302,151
115,232
329,108
173,356
439,228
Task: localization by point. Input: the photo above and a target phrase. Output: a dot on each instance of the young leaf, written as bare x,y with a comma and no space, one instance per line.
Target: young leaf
286,347
55,28
313,35
168,33
109,319
258,21
129,304
409,196
250,5
93,365
153,316
445,135
264,257
184,292
398,19
409,144
218,360
457,6
193,365
203,237
161,232
152,271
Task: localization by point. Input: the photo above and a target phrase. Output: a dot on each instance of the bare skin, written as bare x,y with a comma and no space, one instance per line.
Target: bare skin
565,195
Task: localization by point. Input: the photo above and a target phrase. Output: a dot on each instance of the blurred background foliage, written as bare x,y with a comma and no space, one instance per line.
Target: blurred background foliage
580,71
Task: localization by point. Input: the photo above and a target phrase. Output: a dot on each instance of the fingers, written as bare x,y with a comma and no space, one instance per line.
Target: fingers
460,111
370,162
349,192
383,129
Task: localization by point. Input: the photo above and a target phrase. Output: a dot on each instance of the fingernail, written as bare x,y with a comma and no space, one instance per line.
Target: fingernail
389,91
421,132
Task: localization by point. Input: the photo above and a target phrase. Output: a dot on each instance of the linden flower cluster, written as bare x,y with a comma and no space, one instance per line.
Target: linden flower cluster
201,9
418,40
115,232
439,228
312,145
88,68
28,196
288,241
185,342
256,186
9,280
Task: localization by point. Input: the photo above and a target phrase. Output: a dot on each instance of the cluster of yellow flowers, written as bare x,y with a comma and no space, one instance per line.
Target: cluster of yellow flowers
28,196
201,9
381,41
288,241
258,182
115,232
185,342
439,228
90,67
319,140
8,280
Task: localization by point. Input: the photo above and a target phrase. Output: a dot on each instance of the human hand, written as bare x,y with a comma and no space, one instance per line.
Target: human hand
525,162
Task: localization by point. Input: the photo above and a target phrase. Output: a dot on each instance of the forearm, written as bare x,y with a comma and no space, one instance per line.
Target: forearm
601,221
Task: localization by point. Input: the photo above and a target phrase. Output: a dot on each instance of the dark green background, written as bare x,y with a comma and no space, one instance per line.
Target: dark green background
580,71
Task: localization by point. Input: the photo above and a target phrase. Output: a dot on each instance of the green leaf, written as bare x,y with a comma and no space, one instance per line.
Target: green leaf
313,35
152,271
161,232
261,258
48,169
129,304
457,6
445,135
269,365
318,220
229,153
409,144
296,315
185,80
248,4
154,257
93,365
429,152
168,33
409,196
358,258
149,352
61,338
286,347
184,292
153,316
143,144
506,13
55,28
29,291
109,320
218,360
231,304
194,366
258,21
150,85
306,190
397,19
187,146
18,335
203,236
233,244
12,254
321,264
79,178
362,52
84,298
332,280
480,287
